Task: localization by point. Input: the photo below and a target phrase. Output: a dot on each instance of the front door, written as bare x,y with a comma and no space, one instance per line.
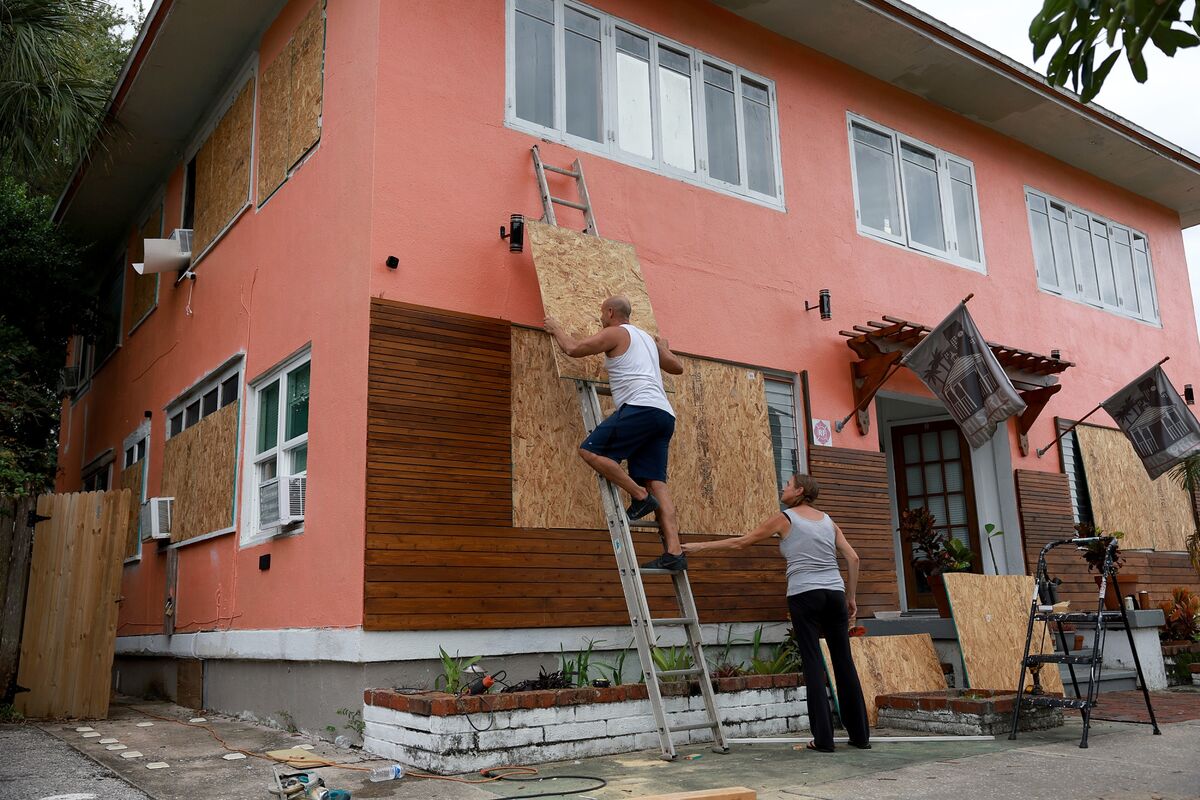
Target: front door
933,469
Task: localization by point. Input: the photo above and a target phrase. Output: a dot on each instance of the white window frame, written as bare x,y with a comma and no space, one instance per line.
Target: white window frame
251,533
1074,293
949,229
195,393
798,418
609,147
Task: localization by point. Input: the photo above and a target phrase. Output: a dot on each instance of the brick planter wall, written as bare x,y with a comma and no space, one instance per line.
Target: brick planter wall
444,734
966,712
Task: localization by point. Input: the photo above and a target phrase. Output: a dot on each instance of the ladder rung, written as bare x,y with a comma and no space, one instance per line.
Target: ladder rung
656,572
677,621
561,171
1059,658
568,203
693,726
678,673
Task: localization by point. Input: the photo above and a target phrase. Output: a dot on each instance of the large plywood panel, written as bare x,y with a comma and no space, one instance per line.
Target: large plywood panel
307,53
143,294
1153,514
721,467
991,615
200,472
576,273
890,664
223,170
131,479
272,141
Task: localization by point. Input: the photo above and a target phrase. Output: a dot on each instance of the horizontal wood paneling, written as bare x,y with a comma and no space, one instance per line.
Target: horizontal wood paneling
854,492
441,552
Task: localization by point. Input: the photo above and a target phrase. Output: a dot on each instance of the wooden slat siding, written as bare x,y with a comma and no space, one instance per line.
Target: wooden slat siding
441,552
854,492
1044,501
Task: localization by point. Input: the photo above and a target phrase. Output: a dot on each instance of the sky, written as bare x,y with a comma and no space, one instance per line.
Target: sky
1159,105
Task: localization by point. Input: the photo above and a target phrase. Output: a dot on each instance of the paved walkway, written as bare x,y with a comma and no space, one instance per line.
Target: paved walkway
36,766
1179,706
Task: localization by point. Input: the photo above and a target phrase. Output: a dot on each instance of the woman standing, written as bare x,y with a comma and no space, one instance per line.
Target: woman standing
819,603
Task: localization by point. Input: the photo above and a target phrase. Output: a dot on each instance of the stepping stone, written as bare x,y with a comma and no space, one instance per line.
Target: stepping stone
145,724
196,720
117,747
233,756
84,729
131,754
157,765
109,740
91,735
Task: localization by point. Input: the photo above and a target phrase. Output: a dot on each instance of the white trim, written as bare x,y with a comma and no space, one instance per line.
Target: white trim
609,147
212,380
204,537
356,646
903,239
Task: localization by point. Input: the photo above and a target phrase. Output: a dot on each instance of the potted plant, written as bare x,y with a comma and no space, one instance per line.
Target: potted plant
1094,554
1183,617
934,553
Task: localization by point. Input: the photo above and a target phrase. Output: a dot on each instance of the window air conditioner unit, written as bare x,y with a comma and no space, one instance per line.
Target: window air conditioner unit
297,485
167,255
281,501
156,517
68,380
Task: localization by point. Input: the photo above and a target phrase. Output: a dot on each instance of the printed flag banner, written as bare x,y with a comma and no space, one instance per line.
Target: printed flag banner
957,365
1156,421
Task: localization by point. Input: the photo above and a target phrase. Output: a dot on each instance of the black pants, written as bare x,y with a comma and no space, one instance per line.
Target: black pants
817,613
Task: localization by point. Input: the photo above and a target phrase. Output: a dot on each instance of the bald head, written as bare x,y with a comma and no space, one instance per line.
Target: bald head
615,310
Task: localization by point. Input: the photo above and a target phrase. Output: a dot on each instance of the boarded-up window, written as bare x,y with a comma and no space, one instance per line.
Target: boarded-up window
143,295
131,479
289,109
223,170
199,471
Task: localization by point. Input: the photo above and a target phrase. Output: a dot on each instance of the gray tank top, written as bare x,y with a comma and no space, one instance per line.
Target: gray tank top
811,552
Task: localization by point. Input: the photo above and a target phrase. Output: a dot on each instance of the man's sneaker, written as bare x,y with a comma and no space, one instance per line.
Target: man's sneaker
640,508
669,562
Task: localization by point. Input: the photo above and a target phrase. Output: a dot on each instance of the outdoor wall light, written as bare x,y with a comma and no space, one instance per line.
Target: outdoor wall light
515,233
1056,354
1189,396
823,304
392,262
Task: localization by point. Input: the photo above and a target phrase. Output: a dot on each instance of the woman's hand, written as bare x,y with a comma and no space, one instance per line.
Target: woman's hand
852,607
690,547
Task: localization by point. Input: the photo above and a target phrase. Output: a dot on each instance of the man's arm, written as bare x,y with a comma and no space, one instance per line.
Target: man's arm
602,342
669,362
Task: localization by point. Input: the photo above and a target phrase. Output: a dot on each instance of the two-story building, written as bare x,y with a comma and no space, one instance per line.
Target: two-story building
347,315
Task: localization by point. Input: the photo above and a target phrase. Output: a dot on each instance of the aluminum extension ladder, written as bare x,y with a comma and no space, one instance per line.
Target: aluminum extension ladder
1042,610
619,529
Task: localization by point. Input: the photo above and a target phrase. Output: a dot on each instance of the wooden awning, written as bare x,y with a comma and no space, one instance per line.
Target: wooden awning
880,344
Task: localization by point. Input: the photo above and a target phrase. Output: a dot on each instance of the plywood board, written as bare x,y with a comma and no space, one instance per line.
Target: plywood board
143,295
721,467
200,472
576,273
991,615
272,141
71,609
223,170
131,479
1152,514
306,51
890,664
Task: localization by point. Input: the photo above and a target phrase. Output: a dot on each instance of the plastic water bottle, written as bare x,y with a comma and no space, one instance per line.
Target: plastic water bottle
389,773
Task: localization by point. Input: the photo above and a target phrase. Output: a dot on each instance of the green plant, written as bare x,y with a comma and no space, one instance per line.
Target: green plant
289,723
9,713
722,664
670,659
354,720
331,730
1187,474
578,670
544,680
778,660
990,532
1183,667
1094,551
454,671
933,552
1183,616
615,673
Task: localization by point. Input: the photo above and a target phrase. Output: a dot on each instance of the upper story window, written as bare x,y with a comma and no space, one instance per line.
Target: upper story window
915,195
1091,259
216,392
602,85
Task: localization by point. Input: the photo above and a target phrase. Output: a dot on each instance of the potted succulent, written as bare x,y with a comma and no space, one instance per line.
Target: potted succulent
934,553
1094,554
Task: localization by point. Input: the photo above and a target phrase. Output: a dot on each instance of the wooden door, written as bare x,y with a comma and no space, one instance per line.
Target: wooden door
932,464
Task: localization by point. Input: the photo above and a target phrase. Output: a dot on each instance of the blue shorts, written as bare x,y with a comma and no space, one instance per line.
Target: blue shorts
639,434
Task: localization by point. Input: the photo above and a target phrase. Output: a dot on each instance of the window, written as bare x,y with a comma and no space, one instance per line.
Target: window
600,84
212,394
1072,460
914,195
278,433
111,296
188,219
781,415
97,476
1088,258
135,452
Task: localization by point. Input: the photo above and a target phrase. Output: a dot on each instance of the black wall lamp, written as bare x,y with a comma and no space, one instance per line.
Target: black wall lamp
392,262
1056,354
823,304
515,233
1189,396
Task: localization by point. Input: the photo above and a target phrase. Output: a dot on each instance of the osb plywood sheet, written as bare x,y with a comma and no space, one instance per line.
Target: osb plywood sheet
991,614
889,664
306,51
721,468
70,623
223,170
131,479
143,294
576,273
200,472
273,98
1152,514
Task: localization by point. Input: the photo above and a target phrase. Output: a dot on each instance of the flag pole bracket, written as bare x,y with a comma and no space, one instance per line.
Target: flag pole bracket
866,377
1035,402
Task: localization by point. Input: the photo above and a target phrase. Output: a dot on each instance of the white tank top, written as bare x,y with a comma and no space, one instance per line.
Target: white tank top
635,376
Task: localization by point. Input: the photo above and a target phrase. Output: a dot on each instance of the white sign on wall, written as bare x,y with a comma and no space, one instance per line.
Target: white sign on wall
822,432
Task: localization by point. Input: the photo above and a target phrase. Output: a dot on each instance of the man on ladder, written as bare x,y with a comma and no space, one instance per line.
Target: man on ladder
640,429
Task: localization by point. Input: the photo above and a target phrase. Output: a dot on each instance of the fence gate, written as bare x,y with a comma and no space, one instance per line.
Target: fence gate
71,607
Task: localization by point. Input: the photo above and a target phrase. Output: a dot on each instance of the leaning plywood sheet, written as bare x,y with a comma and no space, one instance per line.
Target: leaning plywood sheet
1152,514
991,615
199,471
223,170
576,273
131,479
890,664
721,465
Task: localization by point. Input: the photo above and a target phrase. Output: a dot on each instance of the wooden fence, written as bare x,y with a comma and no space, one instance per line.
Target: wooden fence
71,606
16,546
